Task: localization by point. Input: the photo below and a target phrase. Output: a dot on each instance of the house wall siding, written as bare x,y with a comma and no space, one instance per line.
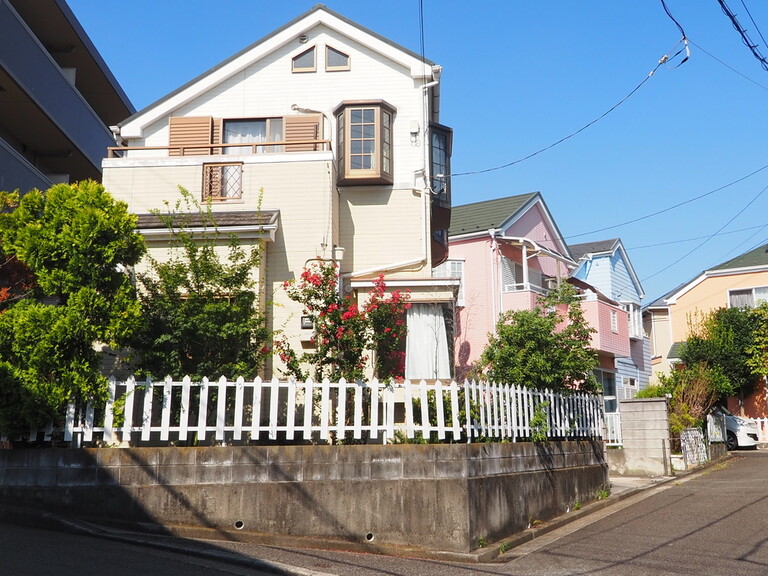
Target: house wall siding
251,93
532,224
382,228
478,316
708,295
377,223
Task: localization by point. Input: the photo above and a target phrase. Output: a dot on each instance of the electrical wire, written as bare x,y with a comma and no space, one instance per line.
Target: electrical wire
695,198
731,68
708,238
736,248
663,60
671,242
753,22
682,32
744,35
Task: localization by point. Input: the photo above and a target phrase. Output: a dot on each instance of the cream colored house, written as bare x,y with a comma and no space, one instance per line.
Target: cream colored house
320,141
740,282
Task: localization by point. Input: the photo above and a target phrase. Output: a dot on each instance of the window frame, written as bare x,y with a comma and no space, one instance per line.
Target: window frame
441,195
382,165
268,126
226,170
610,400
755,300
329,67
446,270
304,69
614,321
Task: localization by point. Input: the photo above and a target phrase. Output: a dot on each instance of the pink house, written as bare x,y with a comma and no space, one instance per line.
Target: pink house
507,252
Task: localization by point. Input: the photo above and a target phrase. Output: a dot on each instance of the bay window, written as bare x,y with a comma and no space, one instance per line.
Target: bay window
440,160
364,142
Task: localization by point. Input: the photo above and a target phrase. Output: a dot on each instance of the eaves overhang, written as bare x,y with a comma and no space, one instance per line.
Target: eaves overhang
419,68
714,274
244,225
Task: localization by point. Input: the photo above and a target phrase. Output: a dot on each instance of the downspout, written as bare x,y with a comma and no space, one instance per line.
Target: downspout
526,276
496,302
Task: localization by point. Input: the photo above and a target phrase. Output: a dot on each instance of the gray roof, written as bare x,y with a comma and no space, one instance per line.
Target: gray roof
580,250
487,215
674,351
221,219
756,257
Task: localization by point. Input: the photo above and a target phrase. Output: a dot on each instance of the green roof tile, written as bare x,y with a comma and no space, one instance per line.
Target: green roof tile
756,257
487,215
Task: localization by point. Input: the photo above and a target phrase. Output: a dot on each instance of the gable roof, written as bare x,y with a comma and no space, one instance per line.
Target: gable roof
594,248
319,14
589,250
487,215
498,214
755,260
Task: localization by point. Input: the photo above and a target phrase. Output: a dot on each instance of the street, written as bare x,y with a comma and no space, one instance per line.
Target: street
710,523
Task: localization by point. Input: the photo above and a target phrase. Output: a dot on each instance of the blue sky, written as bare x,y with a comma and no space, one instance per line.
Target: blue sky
521,75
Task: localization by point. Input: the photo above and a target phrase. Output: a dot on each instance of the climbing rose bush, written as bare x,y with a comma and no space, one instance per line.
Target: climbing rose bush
346,337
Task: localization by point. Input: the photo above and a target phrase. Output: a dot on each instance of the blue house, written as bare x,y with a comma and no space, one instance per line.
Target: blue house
606,266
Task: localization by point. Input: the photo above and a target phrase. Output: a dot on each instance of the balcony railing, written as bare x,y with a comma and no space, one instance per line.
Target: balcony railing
247,148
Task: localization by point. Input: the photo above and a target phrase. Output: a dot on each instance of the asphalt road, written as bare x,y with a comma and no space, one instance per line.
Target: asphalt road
713,523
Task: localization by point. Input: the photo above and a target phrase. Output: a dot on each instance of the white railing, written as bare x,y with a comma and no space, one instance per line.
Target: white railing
238,412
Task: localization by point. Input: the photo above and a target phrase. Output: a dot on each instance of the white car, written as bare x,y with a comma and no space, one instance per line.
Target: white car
740,432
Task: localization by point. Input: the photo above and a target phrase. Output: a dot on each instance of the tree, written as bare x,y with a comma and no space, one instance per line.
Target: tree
722,340
758,347
76,241
543,347
692,391
200,308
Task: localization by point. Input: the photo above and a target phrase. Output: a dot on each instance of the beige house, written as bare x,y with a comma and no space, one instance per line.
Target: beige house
319,141
740,282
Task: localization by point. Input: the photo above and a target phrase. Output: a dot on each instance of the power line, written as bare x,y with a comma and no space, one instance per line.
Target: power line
760,227
753,22
708,238
695,198
663,60
731,68
744,35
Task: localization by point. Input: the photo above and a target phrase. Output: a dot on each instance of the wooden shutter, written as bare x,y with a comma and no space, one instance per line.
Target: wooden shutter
191,131
302,128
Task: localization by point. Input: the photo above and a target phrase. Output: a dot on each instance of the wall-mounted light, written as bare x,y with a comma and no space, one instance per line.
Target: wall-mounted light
306,323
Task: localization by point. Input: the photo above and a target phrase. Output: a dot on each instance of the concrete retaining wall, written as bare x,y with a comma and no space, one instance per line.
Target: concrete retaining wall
435,497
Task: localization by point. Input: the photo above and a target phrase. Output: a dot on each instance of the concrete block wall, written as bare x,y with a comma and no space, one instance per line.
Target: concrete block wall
645,432
434,497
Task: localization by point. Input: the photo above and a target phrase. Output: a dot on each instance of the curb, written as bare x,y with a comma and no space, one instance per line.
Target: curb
491,553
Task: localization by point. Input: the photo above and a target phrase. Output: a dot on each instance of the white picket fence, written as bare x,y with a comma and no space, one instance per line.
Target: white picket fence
242,411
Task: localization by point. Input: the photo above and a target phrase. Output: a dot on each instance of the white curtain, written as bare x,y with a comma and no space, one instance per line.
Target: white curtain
426,347
240,132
